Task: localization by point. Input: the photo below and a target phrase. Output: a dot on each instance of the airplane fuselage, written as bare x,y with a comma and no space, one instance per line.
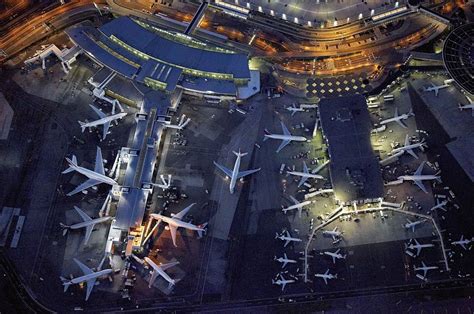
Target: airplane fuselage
284,238
90,222
104,120
87,277
91,174
286,137
395,119
421,177
177,223
407,147
409,225
296,206
235,173
307,175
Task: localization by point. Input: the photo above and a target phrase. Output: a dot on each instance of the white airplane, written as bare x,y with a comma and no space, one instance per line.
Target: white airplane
305,175
89,277
234,174
418,247
470,105
326,276
288,238
462,242
282,281
87,223
425,268
103,120
440,205
297,205
294,109
435,88
174,222
335,255
412,224
181,123
284,260
408,148
286,137
95,176
333,233
418,178
165,184
398,118
159,270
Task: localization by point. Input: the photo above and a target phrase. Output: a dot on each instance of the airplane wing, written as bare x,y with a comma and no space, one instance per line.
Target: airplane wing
284,129
419,169
98,112
286,243
436,92
183,213
305,168
227,171
418,250
284,264
283,285
246,173
105,129
154,275
302,181
412,228
164,275
333,259
99,162
86,270
282,145
325,280
173,233
84,186
402,124
88,233
81,213
421,185
168,265
90,286
396,112
462,245
411,152
407,141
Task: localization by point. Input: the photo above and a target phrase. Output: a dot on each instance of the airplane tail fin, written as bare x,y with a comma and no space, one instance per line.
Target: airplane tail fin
239,154
65,228
266,132
83,127
66,283
335,275
202,226
72,163
276,235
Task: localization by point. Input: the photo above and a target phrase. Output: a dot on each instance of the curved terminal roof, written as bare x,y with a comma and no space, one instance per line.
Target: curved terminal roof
176,53
458,56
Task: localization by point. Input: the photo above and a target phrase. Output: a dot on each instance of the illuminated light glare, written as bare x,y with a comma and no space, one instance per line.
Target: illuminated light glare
309,24
248,5
397,4
360,16
296,20
260,9
372,12
272,13
348,20
335,23
283,16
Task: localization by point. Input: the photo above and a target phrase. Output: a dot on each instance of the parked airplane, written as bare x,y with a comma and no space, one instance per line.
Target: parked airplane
425,268
326,276
470,105
408,148
297,205
288,238
412,224
234,174
435,88
181,123
174,222
95,176
294,109
333,233
398,118
439,205
87,223
462,242
418,178
103,120
282,281
159,270
418,247
284,260
286,137
305,175
89,277
335,255
165,184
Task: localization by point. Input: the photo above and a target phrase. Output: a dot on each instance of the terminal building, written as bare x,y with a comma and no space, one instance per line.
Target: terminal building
354,169
164,60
